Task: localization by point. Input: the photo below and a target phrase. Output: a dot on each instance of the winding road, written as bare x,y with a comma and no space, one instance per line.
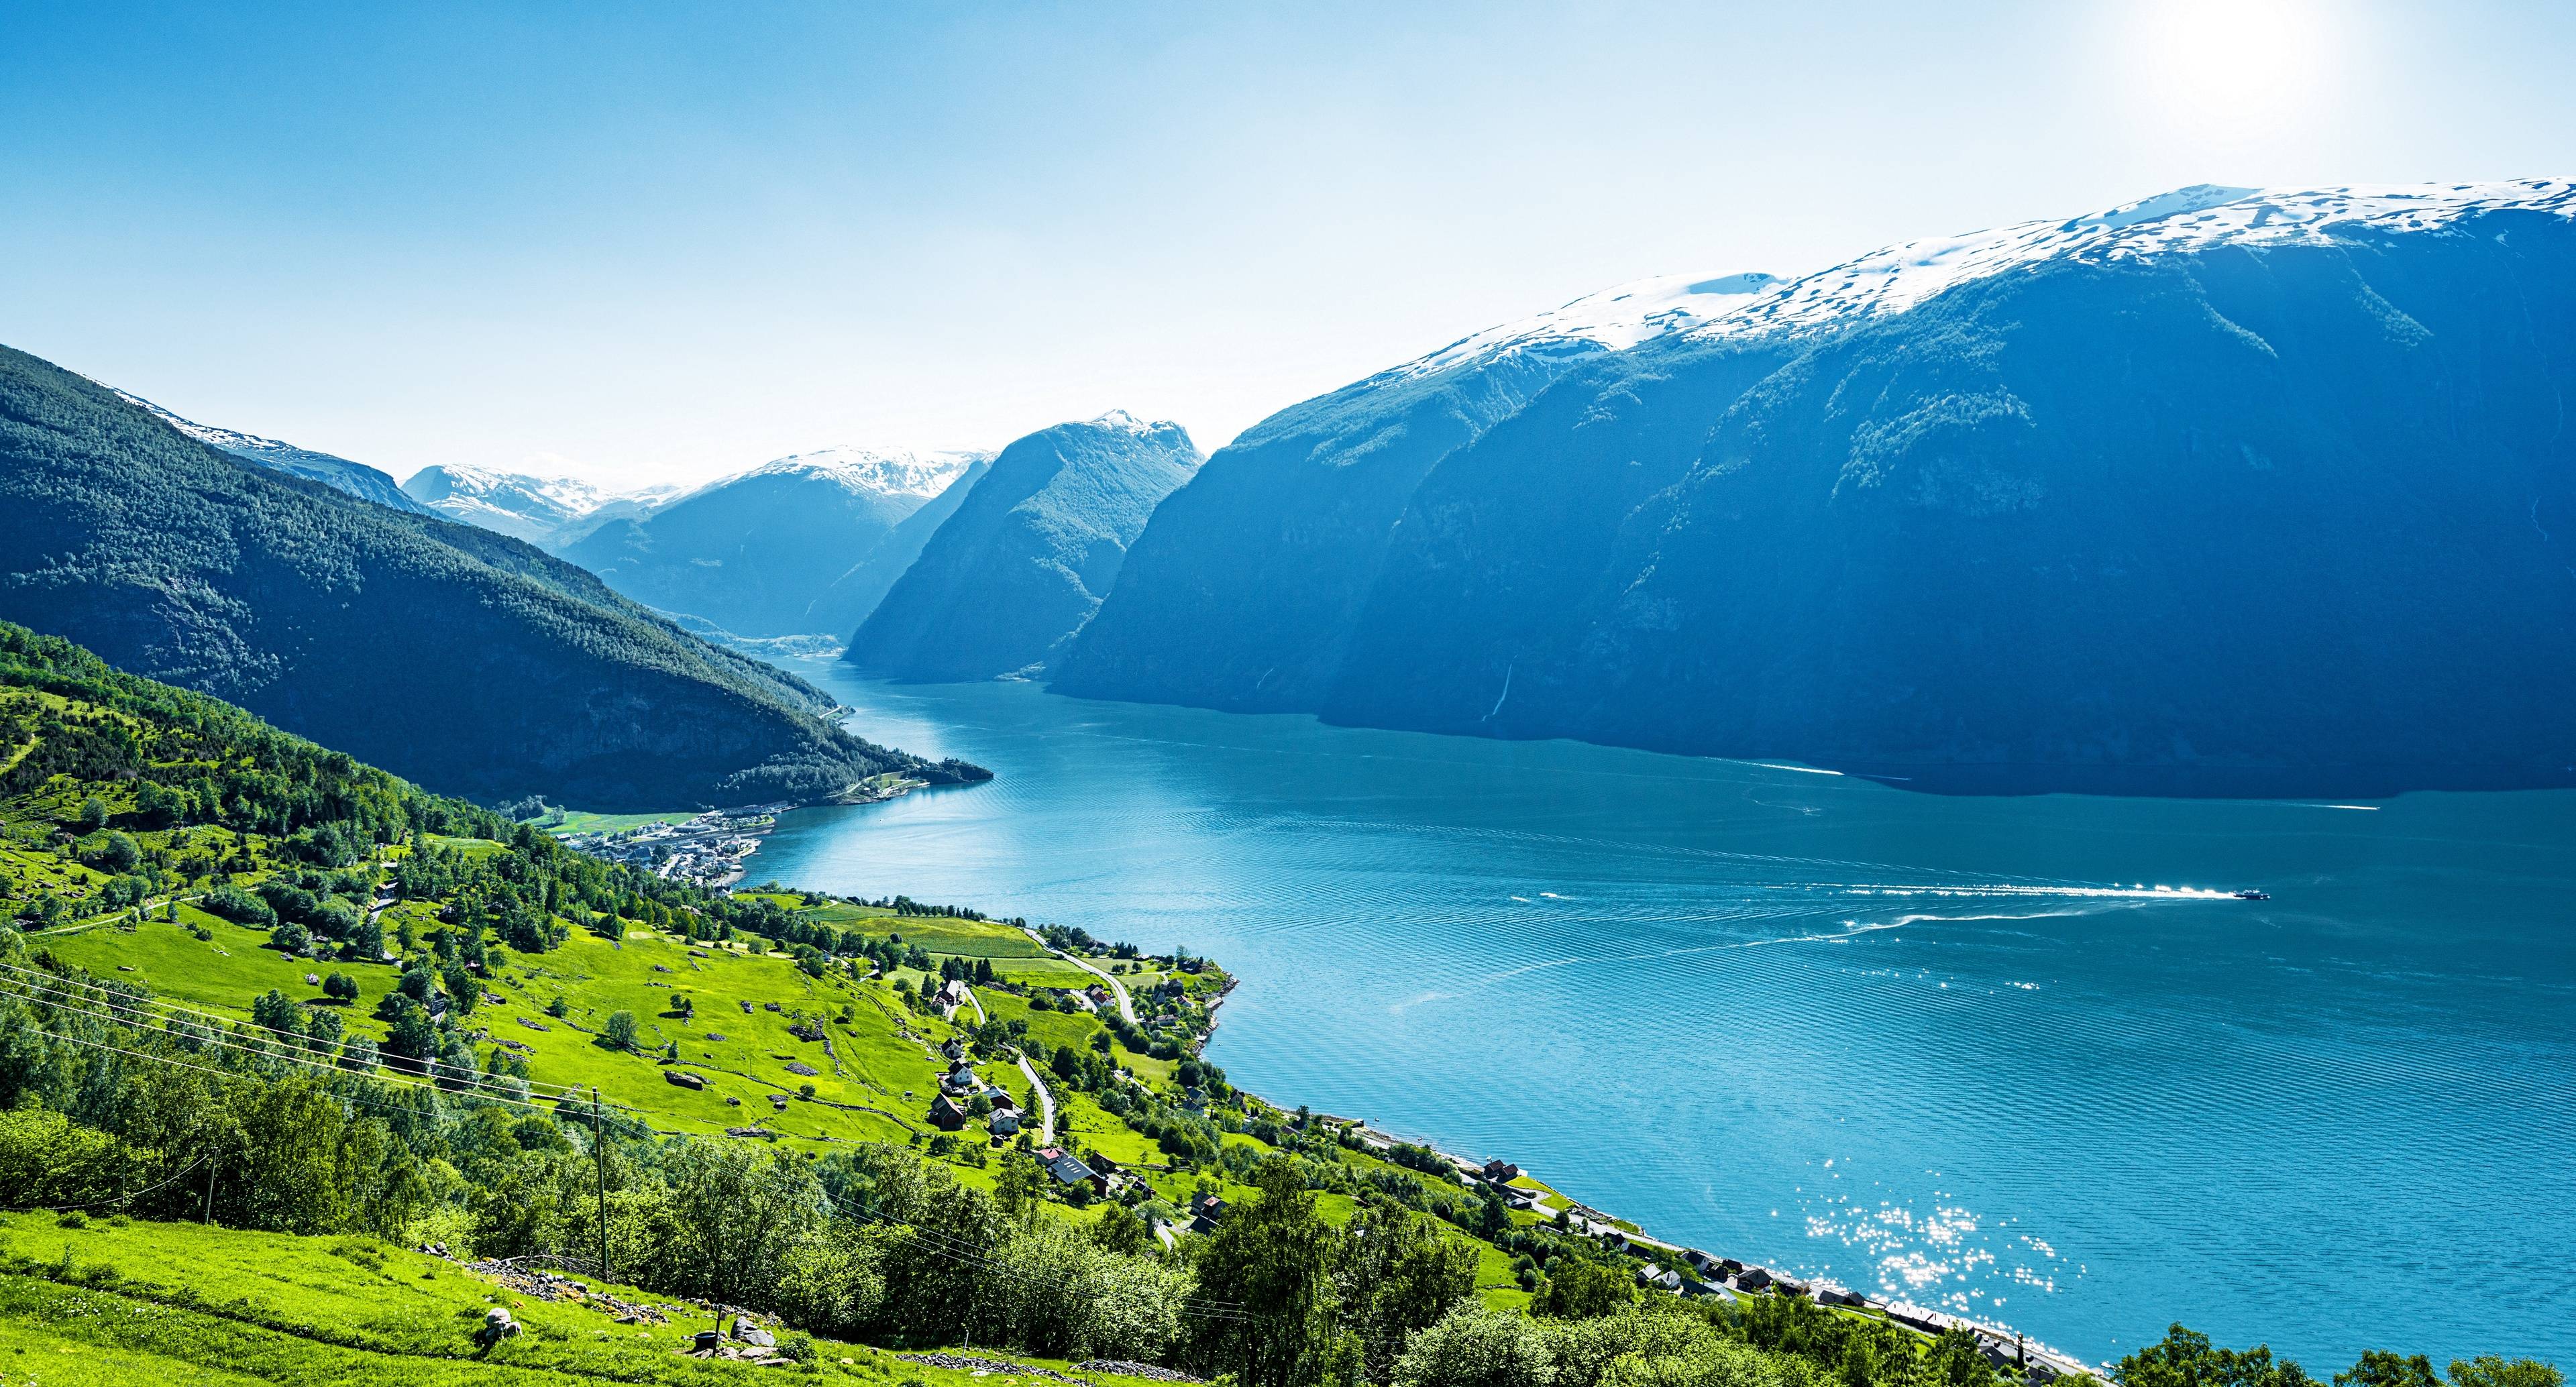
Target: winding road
1126,1004
1046,1100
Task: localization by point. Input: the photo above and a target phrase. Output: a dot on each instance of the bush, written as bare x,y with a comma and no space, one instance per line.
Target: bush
239,906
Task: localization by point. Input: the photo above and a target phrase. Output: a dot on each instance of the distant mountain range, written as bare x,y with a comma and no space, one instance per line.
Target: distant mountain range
544,511
800,545
467,661
2226,491
1010,578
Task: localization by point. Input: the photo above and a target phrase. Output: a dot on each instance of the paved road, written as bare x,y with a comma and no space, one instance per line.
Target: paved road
1046,1103
1126,1005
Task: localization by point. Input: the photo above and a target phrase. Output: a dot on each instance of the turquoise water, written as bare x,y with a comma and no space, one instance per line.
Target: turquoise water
1955,1049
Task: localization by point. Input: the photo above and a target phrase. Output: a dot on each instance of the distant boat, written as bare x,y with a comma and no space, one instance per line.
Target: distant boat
2253,895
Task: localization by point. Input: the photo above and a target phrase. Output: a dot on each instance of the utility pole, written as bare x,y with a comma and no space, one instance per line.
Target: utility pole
599,1147
210,1193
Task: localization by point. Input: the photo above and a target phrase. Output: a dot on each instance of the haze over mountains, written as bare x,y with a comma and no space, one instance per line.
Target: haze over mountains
465,660
758,553
1012,577
2220,492
2224,491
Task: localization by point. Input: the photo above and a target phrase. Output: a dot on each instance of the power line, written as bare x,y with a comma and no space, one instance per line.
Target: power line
195,1014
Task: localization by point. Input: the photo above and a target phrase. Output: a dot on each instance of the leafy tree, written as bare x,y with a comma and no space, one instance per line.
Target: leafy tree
2186,1359
275,1011
2379,1368
322,1031
1579,1288
1273,1257
620,1031
340,987
1400,1274
1477,1347
92,815
2490,1370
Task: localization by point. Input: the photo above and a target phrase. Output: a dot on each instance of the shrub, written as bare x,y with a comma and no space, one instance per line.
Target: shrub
239,906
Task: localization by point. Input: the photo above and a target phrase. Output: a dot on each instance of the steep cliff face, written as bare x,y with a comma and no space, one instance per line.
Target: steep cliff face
1010,578
461,659
2225,492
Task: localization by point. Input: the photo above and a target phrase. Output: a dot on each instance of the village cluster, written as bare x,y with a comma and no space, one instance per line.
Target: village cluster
711,850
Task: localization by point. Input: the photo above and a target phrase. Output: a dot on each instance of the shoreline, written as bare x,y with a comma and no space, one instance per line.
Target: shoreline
1724,1275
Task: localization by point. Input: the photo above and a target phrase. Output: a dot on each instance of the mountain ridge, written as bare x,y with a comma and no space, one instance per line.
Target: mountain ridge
461,659
1862,519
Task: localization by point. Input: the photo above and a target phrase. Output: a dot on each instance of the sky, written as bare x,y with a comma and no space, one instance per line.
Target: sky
653,244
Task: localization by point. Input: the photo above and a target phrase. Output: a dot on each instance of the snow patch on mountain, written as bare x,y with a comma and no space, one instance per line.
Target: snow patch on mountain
886,472
1614,319
1898,277
2184,221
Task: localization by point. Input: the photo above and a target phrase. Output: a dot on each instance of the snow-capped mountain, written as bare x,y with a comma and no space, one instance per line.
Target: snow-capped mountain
512,503
339,473
2221,491
1895,278
1614,319
764,552
884,472
2186,221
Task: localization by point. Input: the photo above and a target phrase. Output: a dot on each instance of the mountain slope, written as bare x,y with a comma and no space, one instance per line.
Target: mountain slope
753,552
1242,592
1010,578
355,478
465,661
849,598
2221,492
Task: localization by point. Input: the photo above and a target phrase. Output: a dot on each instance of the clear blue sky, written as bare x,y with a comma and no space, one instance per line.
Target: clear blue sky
646,243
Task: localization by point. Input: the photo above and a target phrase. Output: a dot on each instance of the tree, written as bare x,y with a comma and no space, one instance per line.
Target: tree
322,1030
1476,1347
93,815
2489,1370
1119,1231
1272,1256
620,1031
340,987
2379,1368
275,1011
2185,1359
1399,1274
1579,1288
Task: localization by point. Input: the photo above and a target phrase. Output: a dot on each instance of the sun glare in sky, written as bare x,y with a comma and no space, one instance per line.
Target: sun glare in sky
2234,71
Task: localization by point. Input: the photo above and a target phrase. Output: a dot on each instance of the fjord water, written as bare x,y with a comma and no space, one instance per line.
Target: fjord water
1961,1050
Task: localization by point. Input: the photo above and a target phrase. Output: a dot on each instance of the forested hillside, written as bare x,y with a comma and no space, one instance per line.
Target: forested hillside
463,660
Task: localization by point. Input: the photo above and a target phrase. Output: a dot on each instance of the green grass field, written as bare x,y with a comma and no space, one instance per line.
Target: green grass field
171,1303
878,1054
566,822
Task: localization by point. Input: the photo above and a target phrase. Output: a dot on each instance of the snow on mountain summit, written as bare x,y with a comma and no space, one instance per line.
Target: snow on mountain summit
1614,319
887,472
1898,277
2185,220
